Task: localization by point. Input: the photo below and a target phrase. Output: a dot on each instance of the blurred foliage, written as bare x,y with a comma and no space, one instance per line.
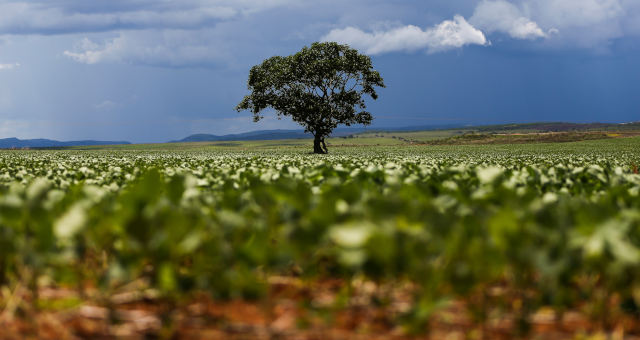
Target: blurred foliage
560,230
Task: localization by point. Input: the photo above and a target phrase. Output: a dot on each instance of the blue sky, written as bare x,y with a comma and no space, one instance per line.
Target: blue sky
157,70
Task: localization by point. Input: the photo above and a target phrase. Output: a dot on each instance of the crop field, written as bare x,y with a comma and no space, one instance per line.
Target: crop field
368,242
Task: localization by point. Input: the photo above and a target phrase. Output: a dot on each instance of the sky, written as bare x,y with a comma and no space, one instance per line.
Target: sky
160,70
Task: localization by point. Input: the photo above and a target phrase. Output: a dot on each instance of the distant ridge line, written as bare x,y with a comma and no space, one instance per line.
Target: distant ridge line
279,134
340,132
297,134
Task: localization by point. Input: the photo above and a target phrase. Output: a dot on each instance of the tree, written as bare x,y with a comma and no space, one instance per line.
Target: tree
319,87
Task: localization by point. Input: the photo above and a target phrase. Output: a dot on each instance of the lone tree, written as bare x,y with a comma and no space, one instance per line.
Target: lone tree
319,87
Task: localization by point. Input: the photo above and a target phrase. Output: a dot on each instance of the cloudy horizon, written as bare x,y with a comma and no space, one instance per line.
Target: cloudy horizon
159,70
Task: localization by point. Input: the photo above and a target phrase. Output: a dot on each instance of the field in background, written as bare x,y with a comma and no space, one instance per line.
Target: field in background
494,134
380,239
431,141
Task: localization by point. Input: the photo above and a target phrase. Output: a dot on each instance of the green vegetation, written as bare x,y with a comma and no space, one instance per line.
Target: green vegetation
492,234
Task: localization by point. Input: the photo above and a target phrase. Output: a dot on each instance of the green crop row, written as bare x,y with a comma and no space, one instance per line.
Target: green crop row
560,230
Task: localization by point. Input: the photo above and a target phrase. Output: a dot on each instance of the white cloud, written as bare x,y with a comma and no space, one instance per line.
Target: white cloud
60,16
187,32
505,17
8,66
450,34
576,12
171,48
590,24
27,18
150,32
583,23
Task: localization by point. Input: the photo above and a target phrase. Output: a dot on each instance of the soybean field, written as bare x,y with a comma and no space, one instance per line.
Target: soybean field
368,242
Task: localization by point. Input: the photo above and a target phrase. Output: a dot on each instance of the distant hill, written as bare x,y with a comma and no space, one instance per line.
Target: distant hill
263,135
15,143
254,135
299,134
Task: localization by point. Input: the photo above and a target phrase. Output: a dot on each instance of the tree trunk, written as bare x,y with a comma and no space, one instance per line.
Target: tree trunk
324,146
318,141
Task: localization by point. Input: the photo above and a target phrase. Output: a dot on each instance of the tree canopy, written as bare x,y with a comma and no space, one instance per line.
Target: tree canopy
320,87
